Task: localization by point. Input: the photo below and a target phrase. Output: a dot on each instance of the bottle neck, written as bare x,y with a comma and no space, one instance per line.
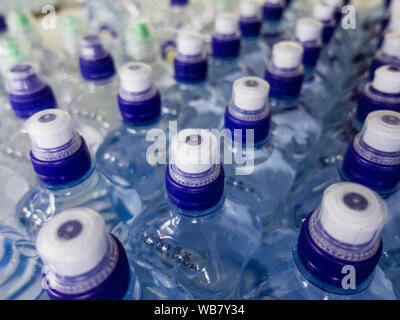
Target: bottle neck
371,100
225,46
249,128
62,167
375,169
140,108
195,194
285,86
191,69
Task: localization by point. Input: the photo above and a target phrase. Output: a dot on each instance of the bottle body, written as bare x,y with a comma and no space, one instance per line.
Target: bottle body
206,254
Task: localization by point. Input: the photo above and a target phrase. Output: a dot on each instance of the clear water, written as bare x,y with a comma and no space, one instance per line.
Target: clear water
150,283
295,131
206,254
113,202
390,261
268,184
280,278
200,105
223,72
255,55
15,144
122,159
14,188
95,110
307,196
317,94
20,266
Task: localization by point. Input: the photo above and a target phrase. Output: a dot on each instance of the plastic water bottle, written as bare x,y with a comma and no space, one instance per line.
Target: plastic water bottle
201,237
83,261
27,94
334,56
380,94
11,53
371,160
200,105
67,176
142,46
20,277
296,131
96,102
225,64
142,110
21,26
388,54
316,89
180,15
334,257
265,177
68,77
272,17
253,52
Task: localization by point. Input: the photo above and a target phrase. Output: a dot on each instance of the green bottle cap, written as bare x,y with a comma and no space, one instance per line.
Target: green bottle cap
10,52
139,31
19,23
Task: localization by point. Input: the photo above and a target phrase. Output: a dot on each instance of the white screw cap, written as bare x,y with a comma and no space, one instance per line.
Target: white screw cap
381,131
391,44
73,242
135,77
226,24
250,93
190,43
352,214
194,150
50,128
287,54
323,12
308,29
250,9
387,79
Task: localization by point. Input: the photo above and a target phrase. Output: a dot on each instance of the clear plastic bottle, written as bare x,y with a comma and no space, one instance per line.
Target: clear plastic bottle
316,91
67,177
27,94
122,157
253,52
200,105
335,256
259,174
372,159
201,237
382,93
294,129
272,29
83,261
142,46
96,101
22,26
226,65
